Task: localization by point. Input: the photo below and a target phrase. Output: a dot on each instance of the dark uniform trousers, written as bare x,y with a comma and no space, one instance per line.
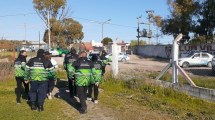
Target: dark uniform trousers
72,87
82,95
19,89
96,91
38,91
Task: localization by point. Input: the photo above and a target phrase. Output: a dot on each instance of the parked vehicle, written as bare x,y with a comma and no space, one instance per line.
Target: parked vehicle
121,57
196,59
189,53
58,52
213,64
91,54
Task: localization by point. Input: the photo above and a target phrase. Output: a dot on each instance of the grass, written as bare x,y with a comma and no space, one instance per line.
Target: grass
9,110
131,99
160,102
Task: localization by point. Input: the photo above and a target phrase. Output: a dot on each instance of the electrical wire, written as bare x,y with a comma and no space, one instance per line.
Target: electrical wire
21,14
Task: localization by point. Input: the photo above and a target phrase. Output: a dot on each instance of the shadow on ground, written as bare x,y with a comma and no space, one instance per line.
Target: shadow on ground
63,93
200,71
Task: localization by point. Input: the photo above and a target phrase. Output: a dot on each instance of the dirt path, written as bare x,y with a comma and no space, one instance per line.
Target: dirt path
95,111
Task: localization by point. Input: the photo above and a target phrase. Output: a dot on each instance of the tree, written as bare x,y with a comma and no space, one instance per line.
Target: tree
63,30
205,25
106,40
55,8
180,21
135,43
72,31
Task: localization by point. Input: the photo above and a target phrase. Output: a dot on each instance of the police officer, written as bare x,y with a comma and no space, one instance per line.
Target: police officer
83,73
104,61
52,75
69,59
96,80
20,64
38,70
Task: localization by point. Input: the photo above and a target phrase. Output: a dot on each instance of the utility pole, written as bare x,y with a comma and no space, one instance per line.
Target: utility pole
138,30
103,26
49,31
150,16
39,39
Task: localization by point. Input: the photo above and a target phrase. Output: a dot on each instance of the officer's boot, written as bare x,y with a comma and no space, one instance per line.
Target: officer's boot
40,108
33,106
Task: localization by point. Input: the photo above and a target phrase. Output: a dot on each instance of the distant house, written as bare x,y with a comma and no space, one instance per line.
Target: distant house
122,46
32,46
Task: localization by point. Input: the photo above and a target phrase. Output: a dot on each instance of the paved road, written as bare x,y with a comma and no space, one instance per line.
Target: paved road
144,65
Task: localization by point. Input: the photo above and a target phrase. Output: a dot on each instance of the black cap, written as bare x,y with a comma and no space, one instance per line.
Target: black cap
73,51
40,51
47,53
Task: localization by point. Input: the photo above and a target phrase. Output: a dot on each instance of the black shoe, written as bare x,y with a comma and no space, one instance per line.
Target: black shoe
33,107
40,108
82,111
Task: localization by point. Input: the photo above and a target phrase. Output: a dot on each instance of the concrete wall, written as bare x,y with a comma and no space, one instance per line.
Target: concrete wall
164,51
200,92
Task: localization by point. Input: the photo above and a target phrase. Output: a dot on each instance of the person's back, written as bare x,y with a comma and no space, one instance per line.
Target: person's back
38,69
104,61
83,71
83,68
69,59
97,71
38,75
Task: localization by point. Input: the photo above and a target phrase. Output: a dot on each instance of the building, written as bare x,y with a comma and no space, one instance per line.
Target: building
121,46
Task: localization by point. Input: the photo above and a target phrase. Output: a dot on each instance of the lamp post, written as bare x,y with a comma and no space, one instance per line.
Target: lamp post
103,26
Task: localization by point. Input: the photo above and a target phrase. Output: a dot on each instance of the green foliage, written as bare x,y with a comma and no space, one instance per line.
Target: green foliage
152,98
106,40
205,24
135,43
180,20
63,30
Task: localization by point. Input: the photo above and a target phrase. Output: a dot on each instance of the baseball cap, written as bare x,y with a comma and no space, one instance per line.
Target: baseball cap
47,53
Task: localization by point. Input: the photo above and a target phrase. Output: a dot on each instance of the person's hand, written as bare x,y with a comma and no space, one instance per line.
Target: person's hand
97,83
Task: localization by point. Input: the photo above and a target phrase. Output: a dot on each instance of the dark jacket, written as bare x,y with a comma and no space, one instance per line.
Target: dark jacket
38,69
83,71
97,72
19,65
69,59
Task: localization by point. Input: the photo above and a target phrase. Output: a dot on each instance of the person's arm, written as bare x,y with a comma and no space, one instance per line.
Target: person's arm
65,63
27,71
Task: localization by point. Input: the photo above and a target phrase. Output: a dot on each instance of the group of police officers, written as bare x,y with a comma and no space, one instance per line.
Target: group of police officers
84,77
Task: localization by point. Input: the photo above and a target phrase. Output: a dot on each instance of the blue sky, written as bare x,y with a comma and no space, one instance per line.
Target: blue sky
121,12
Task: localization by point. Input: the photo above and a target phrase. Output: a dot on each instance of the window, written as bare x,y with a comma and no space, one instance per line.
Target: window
196,56
205,55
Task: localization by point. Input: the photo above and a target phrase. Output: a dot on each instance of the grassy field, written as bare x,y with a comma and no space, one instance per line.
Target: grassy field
137,99
134,99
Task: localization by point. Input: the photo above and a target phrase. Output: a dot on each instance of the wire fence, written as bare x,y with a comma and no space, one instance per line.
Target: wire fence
6,71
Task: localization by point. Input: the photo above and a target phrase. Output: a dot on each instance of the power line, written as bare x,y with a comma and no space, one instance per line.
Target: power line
20,14
100,22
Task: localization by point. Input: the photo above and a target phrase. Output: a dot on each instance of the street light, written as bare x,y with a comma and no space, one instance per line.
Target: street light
103,25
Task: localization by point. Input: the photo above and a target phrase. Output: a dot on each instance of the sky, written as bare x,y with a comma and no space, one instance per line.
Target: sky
19,21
